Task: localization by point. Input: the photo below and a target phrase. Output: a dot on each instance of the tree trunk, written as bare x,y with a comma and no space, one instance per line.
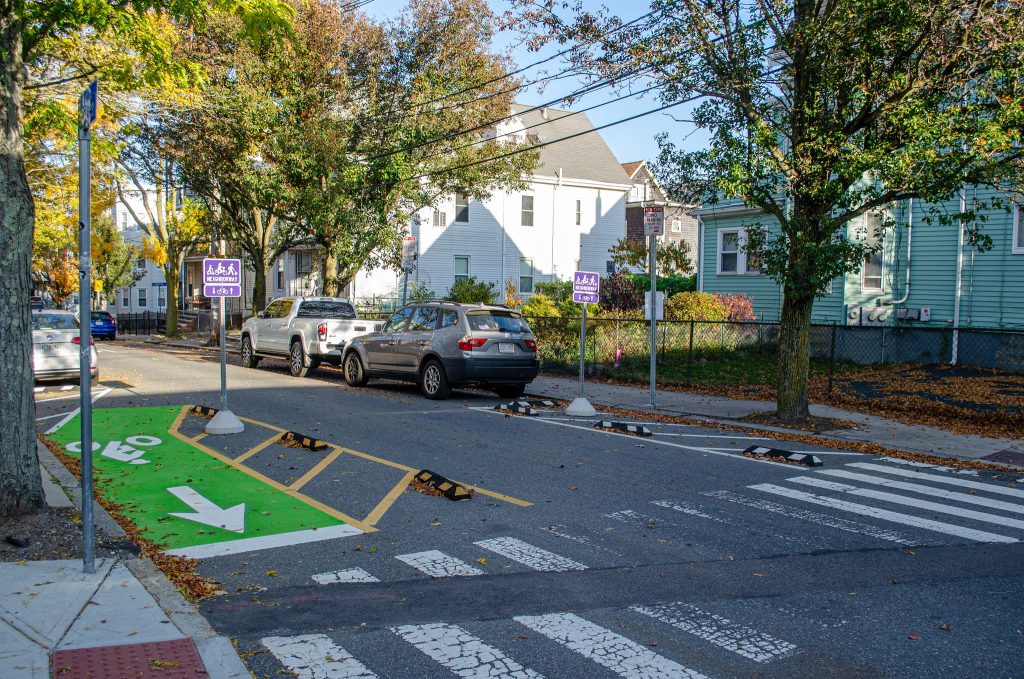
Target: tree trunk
794,358
172,276
330,276
259,288
21,489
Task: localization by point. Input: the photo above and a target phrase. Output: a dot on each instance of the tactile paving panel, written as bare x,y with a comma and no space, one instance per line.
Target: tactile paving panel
176,659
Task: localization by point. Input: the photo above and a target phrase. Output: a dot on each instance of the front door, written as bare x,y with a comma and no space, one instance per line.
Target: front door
411,344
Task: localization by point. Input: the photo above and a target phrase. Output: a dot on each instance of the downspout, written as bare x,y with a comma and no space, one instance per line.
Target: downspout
501,230
910,238
959,278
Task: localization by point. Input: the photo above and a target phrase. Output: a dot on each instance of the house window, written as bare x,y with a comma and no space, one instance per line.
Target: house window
609,266
140,264
124,220
525,275
871,268
161,297
728,252
527,211
461,208
142,297
125,298
280,273
579,212
461,268
1018,230
303,263
440,218
677,225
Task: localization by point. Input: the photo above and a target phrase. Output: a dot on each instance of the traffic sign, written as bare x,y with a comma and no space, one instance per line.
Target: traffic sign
654,221
586,287
408,253
222,277
87,105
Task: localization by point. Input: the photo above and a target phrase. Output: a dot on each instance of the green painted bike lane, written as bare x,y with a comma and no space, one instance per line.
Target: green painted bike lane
185,499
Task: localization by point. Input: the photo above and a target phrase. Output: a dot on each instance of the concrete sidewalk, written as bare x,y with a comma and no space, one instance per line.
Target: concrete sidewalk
868,428
126,619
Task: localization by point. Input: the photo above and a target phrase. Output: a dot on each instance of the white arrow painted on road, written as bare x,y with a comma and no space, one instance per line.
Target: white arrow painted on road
232,518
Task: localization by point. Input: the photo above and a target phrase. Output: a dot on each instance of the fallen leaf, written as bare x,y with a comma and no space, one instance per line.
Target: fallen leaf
520,636
272,573
650,643
912,636
894,581
760,575
482,561
945,628
911,552
435,523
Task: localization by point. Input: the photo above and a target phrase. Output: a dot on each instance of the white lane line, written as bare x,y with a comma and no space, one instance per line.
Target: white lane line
934,478
937,467
927,490
687,508
720,631
50,417
74,412
437,564
536,558
347,575
884,514
910,502
625,658
806,452
462,653
315,656
565,533
262,542
814,517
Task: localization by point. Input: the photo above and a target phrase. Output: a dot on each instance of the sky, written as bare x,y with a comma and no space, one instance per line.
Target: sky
631,141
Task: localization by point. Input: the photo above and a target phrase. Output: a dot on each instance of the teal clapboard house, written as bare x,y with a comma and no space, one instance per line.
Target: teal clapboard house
927,274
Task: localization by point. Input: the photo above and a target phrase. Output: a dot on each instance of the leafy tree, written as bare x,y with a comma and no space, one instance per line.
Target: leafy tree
670,285
113,260
819,112
673,256
619,292
29,34
471,291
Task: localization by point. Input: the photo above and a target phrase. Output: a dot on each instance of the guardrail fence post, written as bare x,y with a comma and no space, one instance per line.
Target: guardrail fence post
689,357
832,359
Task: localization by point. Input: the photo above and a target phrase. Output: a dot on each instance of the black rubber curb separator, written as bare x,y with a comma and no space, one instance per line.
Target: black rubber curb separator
307,442
788,456
515,408
203,411
447,487
635,430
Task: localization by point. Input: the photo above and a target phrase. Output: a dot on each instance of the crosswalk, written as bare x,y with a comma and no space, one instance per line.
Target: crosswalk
886,501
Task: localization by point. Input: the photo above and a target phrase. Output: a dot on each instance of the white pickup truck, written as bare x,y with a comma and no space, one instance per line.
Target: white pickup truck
306,330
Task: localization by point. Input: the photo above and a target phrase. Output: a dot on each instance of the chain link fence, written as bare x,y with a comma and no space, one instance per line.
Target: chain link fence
696,352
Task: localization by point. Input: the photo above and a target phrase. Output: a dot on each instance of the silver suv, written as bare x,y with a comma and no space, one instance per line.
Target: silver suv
443,344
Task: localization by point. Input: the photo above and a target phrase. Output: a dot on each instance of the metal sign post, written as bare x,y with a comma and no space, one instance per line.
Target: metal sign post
86,117
654,226
586,289
223,278
408,263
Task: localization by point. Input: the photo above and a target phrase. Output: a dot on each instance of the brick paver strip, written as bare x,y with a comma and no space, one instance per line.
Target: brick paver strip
176,659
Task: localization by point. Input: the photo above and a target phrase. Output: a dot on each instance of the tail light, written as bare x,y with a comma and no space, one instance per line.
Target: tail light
470,343
531,344
78,340
113,321
321,332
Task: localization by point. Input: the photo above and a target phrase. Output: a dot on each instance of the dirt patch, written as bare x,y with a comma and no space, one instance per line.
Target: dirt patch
54,534
812,424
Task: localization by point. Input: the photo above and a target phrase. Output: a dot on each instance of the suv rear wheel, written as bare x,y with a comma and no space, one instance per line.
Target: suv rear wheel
510,390
355,375
433,381
297,363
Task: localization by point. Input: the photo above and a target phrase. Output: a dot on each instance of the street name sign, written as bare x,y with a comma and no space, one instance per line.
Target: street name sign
586,287
654,221
87,105
222,277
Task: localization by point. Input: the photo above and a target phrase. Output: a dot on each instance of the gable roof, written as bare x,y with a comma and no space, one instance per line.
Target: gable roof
631,168
586,156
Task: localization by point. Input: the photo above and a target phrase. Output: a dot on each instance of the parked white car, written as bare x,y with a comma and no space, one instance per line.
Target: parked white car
55,346
307,330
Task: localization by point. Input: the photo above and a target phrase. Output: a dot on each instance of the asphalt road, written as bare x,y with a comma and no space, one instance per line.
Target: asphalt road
585,553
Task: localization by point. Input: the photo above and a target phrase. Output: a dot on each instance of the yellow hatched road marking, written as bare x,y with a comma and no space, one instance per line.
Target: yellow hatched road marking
385,504
319,467
257,448
200,437
330,511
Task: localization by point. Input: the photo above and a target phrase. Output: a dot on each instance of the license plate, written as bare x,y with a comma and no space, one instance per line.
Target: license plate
49,348
506,348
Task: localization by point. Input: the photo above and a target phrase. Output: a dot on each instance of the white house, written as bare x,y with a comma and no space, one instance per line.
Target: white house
572,213
149,293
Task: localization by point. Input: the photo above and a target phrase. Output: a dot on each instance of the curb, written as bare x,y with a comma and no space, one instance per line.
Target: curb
216,652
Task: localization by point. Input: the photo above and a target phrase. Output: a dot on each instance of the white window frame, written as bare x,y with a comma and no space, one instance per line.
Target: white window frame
677,225
142,298
299,256
439,219
522,288
523,211
126,297
457,206
1018,230
881,257
161,296
279,278
741,254
579,212
469,267
140,264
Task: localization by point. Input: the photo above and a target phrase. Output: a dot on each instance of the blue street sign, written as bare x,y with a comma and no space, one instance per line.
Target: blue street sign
87,105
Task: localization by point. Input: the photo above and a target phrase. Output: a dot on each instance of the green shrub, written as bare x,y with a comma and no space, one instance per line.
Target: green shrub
471,291
540,304
418,292
695,306
556,291
670,285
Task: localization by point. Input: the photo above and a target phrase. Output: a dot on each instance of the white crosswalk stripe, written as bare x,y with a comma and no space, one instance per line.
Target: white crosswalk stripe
462,653
622,656
315,656
38,390
927,490
936,478
344,576
437,564
884,514
720,631
536,558
910,502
